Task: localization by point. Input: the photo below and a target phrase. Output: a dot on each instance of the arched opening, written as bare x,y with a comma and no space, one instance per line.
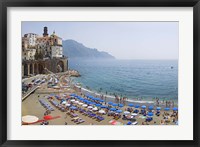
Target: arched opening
60,66
35,69
31,68
41,69
25,69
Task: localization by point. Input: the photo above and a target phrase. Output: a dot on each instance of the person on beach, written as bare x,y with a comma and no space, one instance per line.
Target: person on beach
162,122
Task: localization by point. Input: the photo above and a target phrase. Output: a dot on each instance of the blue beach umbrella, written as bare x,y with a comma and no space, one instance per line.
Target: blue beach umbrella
114,104
121,105
112,109
175,109
151,107
137,106
73,94
158,108
130,105
110,103
143,107
101,100
150,114
82,99
119,111
92,103
103,106
98,105
167,109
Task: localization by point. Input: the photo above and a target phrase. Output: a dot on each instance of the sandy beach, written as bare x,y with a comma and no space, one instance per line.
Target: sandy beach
32,106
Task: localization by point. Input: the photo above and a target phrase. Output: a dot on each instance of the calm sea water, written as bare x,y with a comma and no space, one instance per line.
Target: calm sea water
132,78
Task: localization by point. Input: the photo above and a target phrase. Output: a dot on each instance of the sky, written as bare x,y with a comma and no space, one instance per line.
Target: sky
123,40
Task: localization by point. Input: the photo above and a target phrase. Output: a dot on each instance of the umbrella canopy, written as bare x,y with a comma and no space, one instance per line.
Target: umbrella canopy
134,114
63,102
158,108
102,111
150,114
130,105
121,105
101,100
167,109
113,122
119,111
112,109
95,109
73,94
80,103
137,106
47,117
84,105
143,107
29,119
92,103
114,104
103,106
151,107
98,105
89,107
110,103
76,102
175,109
126,112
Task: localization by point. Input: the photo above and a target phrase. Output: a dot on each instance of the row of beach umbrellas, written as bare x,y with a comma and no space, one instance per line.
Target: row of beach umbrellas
151,107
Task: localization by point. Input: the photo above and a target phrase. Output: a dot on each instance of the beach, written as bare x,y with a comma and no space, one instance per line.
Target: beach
32,106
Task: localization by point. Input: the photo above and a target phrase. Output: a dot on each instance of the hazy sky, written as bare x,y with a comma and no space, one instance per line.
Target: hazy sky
124,40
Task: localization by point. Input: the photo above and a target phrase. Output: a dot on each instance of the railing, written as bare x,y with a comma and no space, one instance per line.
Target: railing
29,92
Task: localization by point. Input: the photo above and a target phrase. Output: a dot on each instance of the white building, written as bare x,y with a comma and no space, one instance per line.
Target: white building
31,39
50,46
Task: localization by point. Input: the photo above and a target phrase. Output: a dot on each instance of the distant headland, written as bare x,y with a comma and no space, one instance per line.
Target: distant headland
74,49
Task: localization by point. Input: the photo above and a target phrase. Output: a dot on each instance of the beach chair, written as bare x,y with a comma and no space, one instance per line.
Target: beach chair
73,119
80,121
99,118
74,115
136,111
148,119
157,113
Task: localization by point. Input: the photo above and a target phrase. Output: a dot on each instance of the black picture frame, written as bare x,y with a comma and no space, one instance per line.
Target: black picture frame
4,4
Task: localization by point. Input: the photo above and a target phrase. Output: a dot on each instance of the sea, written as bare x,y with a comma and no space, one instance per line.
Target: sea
136,79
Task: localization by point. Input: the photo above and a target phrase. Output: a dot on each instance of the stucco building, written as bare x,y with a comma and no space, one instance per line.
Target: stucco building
42,53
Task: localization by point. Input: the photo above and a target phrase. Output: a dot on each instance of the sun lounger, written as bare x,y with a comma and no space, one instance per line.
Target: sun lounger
80,121
148,119
135,123
74,115
99,118
75,118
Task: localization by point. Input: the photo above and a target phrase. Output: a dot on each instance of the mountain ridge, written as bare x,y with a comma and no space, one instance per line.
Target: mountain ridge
74,49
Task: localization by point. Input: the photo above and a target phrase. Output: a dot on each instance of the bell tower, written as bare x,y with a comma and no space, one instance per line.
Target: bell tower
45,34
